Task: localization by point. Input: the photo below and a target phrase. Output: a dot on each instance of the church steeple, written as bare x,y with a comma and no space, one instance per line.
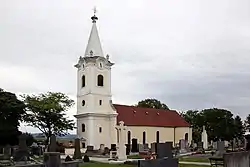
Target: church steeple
94,47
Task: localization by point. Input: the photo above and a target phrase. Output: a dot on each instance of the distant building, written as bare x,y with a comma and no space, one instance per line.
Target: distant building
97,116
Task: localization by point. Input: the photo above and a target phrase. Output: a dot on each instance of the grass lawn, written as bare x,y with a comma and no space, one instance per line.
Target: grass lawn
95,164
194,159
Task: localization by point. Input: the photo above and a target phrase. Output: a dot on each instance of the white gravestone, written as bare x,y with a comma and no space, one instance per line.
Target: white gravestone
204,138
121,149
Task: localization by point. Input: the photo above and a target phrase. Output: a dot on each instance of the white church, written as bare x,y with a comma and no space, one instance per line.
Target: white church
97,116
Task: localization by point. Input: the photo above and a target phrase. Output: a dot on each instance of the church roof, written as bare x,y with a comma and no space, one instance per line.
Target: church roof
138,116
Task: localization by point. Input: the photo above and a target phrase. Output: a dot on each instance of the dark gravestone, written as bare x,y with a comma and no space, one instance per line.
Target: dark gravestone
22,153
220,148
127,149
90,148
52,158
52,144
200,146
153,147
164,150
113,147
77,152
6,152
134,146
171,162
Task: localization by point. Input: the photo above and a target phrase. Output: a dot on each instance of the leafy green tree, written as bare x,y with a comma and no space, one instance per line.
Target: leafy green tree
195,119
152,103
47,112
247,123
12,111
239,128
219,124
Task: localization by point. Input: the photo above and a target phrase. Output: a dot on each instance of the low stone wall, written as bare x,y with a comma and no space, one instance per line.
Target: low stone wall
30,165
237,159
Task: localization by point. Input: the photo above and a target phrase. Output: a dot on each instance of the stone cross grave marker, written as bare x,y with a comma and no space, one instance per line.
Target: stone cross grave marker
77,152
121,152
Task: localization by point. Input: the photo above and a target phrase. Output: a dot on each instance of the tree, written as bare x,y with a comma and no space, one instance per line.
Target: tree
195,119
247,123
219,124
152,103
12,111
239,128
47,113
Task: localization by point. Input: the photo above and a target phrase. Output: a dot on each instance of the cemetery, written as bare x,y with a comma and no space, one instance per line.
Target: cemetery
157,155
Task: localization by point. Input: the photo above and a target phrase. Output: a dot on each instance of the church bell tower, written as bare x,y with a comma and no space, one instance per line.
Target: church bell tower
96,116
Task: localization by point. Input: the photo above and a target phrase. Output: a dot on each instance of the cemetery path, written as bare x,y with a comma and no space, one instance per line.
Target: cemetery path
195,163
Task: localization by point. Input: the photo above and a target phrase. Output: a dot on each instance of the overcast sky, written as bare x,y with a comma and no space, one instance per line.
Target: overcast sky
189,54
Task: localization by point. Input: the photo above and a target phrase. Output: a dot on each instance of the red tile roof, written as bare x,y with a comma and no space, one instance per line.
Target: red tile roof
138,116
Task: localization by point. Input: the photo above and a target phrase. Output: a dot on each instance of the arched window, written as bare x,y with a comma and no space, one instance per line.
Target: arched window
83,127
100,129
186,136
83,81
157,137
129,137
144,138
100,80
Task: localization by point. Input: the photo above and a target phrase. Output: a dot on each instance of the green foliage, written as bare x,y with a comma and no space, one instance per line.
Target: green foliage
239,128
47,113
152,103
219,124
11,113
11,110
247,123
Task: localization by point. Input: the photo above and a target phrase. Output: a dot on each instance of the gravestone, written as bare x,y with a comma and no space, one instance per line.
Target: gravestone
22,153
91,148
121,152
134,148
182,144
52,144
77,152
6,152
215,145
153,147
52,158
204,138
220,148
164,150
113,147
141,147
146,146
101,149
200,146
128,149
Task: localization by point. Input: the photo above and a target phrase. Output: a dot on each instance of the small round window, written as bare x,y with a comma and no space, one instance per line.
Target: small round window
83,102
